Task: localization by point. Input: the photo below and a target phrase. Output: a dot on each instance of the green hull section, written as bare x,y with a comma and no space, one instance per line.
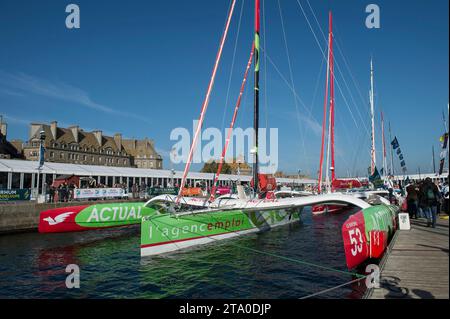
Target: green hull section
163,233
113,214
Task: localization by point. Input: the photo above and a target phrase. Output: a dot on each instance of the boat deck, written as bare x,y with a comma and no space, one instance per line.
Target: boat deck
417,264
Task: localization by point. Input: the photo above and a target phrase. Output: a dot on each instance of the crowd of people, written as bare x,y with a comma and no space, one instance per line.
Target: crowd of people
65,191
426,200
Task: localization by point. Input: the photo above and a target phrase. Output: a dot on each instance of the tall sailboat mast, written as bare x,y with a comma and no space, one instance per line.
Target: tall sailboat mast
324,121
434,162
372,111
390,148
384,145
333,173
256,97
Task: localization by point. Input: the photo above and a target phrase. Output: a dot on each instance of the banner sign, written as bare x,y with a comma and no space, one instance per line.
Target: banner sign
155,191
7,195
84,193
444,140
375,179
395,145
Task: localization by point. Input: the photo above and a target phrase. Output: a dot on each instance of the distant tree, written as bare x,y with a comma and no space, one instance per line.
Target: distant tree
211,167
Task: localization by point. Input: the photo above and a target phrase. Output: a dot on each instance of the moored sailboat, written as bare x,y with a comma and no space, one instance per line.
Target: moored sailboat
178,224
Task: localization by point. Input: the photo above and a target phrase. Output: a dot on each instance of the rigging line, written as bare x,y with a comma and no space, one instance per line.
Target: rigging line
302,103
291,76
337,62
355,83
333,288
317,83
206,101
337,65
339,71
295,260
232,66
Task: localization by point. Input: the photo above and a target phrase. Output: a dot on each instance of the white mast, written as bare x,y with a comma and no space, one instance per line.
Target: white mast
372,113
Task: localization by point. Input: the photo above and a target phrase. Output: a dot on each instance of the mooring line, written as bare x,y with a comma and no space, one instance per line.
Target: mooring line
295,260
332,288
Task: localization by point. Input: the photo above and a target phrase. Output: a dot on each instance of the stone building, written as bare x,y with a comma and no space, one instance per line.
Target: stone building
143,153
74,145
9,149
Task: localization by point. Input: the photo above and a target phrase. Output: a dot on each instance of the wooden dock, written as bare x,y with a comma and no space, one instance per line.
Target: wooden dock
416,265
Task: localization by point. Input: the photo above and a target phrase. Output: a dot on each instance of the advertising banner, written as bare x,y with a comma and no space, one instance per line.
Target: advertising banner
85,193
8,195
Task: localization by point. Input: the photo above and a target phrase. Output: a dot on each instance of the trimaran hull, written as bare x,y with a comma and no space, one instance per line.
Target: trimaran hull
166,232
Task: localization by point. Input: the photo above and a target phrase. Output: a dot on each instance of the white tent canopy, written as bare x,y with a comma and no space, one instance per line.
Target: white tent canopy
22,166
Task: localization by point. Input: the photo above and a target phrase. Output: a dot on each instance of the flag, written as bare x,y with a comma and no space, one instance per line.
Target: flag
441,166
399,151
401,157
402,164
381,171
443,139
394,143
375,179
404,169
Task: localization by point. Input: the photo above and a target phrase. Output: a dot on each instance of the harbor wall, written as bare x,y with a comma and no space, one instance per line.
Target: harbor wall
24,216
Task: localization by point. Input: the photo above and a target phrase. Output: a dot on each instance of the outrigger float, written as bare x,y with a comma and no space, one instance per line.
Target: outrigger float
170,231
367,233
90,217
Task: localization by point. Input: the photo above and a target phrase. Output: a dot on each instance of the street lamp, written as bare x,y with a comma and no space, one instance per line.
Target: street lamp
41,157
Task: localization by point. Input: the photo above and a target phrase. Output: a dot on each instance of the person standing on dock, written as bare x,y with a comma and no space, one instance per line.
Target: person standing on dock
412,200
430,198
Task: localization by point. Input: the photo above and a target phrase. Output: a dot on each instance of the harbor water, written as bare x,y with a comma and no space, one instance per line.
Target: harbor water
33,265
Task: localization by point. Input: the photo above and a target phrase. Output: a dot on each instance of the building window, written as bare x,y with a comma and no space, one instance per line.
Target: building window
61,155
52,154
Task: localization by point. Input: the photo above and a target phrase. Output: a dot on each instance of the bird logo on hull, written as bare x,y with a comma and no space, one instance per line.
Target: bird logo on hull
58,219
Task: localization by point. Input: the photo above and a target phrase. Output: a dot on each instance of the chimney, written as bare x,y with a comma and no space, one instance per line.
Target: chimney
53,126
75,130
118,140
98,136
34,130
3,128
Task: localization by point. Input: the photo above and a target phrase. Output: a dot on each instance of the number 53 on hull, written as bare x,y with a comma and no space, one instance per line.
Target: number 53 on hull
366,234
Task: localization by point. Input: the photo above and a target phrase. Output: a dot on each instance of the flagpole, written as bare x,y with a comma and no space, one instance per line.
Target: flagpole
392,154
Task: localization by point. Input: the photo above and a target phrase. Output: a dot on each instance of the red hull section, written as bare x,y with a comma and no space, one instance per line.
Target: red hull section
355,243
60,220
378,243
345,184
320,209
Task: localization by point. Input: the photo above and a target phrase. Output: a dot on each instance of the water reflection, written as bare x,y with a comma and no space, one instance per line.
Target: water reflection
33,265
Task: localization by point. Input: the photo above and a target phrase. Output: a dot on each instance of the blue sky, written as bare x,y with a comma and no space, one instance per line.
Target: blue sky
142,68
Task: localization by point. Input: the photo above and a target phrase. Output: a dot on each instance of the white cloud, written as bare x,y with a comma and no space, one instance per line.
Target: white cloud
21,83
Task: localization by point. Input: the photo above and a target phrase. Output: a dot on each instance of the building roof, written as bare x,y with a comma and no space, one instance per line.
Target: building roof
23,166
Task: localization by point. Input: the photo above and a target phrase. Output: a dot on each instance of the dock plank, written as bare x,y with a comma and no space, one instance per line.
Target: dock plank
417,266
